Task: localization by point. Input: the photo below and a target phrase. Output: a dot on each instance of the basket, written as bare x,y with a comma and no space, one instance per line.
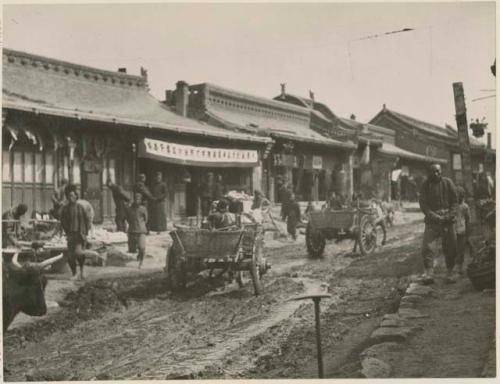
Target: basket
482,275
332,219
203,243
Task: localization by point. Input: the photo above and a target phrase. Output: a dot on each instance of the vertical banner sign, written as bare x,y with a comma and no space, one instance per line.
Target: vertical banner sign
463,140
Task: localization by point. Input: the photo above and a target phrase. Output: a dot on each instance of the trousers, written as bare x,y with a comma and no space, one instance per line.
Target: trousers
76,251
448,237
137,241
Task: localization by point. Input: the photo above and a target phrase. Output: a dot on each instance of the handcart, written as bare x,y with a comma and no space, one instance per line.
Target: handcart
235,251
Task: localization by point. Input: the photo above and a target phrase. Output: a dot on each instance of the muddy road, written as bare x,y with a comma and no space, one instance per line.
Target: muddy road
135,328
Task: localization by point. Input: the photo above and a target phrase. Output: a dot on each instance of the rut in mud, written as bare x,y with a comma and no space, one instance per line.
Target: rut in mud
135,328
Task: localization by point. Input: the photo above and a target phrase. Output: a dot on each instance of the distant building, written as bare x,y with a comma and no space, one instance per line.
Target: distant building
376,159
64,120
311,162
437,142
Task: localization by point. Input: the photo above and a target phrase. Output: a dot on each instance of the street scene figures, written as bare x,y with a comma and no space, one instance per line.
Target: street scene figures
213,191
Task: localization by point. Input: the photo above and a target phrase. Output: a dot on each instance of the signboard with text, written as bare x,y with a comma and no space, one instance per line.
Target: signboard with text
196,155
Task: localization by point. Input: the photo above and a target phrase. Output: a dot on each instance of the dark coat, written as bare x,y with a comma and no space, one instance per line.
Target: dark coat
157,207
436,196
141,188
120,198
137,217
74,219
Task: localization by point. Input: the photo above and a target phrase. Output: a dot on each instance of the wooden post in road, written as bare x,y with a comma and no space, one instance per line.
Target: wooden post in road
463,142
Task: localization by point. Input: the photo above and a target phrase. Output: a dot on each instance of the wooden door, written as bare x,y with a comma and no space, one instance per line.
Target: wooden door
92,186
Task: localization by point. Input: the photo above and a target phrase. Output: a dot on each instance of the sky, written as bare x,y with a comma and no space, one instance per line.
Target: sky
254,47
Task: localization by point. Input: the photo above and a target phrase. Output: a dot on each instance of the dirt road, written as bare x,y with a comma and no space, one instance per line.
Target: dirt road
134,328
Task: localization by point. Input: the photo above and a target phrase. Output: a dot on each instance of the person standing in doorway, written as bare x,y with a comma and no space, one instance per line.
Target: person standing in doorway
137,217
438,201
219,188
284,194
293,216
206,194
157,206
76,224
121,200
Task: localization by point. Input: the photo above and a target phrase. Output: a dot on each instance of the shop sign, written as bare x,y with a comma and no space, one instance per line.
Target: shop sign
457,162
195,155
317,162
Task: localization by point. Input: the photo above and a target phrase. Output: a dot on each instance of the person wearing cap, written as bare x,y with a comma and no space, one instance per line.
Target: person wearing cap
438,201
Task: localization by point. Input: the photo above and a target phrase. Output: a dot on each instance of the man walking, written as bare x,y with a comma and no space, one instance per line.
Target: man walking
121,199
76,224
438,201
157,206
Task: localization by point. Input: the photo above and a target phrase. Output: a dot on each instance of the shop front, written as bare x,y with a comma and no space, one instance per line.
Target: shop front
185,168
312,173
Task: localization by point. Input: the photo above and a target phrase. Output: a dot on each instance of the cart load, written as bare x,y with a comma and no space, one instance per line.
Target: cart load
234,251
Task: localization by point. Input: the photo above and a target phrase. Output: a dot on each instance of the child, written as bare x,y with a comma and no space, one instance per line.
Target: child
293,217
462,228
137,217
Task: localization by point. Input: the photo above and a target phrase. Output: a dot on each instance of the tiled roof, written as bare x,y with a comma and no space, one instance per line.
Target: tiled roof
38,84
274,127
421,125
391,149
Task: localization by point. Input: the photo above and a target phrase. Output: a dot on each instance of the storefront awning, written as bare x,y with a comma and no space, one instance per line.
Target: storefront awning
193,155
391,149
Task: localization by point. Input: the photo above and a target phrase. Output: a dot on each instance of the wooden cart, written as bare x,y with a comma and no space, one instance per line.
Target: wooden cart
354,223
234,252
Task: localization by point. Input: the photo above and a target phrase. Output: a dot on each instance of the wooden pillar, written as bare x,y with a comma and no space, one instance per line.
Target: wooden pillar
463,142
257,176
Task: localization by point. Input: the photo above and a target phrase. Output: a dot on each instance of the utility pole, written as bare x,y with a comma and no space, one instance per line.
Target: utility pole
463,142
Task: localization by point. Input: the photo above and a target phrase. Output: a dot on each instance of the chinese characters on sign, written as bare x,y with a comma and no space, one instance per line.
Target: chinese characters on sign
188,153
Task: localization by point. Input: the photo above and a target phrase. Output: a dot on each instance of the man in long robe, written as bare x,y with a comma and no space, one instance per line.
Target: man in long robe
157,206
121,199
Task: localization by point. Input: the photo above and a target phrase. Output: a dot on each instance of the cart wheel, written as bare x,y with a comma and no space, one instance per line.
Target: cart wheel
367,236
176,271
315,242
255,273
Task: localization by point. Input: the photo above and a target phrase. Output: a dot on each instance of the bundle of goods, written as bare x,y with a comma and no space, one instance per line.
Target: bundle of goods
481,270
239,202
107,237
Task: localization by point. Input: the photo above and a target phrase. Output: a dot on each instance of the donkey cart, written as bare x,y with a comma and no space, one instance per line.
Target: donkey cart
234,252
357,224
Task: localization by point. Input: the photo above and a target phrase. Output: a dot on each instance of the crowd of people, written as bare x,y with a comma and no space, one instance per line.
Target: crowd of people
447,215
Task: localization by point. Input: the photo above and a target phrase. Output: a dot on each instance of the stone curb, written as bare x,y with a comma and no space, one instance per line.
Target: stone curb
394,329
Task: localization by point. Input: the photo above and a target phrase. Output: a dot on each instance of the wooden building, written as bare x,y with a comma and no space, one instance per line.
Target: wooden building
376,156
434,142
312,162
64,120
